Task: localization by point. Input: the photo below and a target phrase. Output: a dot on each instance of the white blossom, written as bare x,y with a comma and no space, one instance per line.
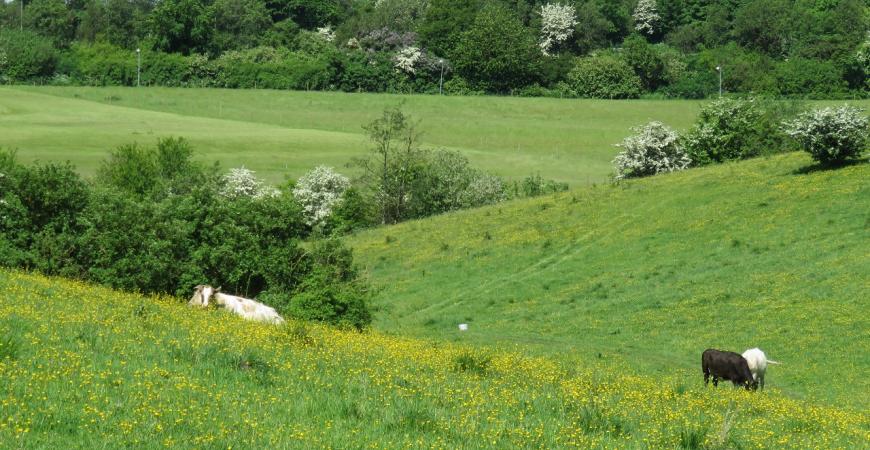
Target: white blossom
646,17
241,182
319,191
352,43
327,33
653,149
831,134
557,25
406,59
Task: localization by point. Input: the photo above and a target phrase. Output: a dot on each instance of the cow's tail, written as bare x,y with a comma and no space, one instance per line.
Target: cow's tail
770,361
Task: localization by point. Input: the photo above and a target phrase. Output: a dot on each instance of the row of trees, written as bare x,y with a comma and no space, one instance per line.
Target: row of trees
589,48
735,129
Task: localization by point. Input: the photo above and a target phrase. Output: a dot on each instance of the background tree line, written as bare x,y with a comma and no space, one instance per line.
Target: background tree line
587,48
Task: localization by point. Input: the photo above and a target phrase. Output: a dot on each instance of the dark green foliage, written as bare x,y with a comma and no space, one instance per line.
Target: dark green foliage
444,22
497,53
733,129
333,292
604,76
472,362
25,55
809,77
183,26
52,19
156,222
354,212
776,47
238,23
642,57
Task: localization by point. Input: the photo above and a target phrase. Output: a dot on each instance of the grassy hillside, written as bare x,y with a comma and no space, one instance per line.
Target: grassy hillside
86,367
283,132
650,273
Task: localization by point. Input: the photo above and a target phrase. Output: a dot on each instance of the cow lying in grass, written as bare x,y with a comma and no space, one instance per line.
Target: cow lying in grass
758,362
245,307
727,366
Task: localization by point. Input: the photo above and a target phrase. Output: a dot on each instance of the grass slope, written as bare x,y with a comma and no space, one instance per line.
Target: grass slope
652,272
86,367
278,132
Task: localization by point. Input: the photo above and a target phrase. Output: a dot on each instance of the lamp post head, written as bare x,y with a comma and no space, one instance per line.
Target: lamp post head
137,50
718,68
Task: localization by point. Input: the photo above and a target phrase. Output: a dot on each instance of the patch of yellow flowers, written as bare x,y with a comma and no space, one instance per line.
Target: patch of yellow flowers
88,367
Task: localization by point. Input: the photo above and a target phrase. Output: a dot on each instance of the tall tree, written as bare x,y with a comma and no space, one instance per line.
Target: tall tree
497,53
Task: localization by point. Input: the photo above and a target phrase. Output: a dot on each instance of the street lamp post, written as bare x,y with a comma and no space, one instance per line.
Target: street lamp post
441,81
138,67
719,69
21,15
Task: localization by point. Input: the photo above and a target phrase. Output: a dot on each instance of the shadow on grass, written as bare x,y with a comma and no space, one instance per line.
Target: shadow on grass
820,167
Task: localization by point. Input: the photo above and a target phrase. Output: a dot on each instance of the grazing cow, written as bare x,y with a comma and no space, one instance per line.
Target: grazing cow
727,366
757,361
244,307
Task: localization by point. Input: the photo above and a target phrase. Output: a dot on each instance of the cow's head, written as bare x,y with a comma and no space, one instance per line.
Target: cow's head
201,295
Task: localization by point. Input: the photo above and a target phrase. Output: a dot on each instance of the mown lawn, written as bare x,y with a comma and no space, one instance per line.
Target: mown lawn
86,367
652,272
280,133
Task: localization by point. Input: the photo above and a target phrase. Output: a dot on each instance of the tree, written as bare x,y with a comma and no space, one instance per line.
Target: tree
309,14
646,17
443,24
645,61
238,23
183,26
52,19
498,53
395,160
557,25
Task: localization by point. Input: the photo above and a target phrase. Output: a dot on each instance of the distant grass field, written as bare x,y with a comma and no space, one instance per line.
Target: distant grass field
652,272
86,367
280,133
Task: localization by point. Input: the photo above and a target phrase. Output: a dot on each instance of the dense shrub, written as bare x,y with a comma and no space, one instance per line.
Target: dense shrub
831,135
533,186
447,182
730,129
240,182
653,149
809,77
153,221
146,171
333,293
497,53
25,55
604,76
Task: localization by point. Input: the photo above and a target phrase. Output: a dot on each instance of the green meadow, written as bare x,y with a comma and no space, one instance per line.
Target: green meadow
85,367
588,310
281,133
651,272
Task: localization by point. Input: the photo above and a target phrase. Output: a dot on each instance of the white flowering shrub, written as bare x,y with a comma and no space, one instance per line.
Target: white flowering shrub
653,149
319,192
831,135
242,182
646,17
327,33
406,60
557,25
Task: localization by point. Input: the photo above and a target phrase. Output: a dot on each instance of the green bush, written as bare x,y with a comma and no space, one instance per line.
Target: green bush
497,53
604,76
809,78
731,129
103,65
156,222
332,293
25,55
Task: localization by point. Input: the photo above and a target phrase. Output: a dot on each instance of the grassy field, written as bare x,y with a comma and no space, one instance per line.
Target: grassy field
652,272
280,133
86,367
